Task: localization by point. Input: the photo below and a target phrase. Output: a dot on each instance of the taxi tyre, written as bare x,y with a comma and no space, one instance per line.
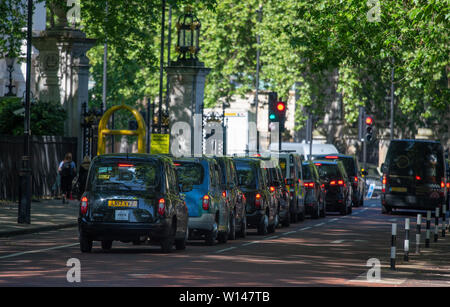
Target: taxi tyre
85,243
344,210
167,242
271,228
294,217
106,245
323,212
287,220
211,237
180,244
316,213
232,234
301,216
243,230
222,236
263,225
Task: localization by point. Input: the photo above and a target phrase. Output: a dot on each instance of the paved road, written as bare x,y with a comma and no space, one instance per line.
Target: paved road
332,251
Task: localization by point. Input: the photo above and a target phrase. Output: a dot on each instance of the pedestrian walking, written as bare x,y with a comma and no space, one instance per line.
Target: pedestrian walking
82,174
67,170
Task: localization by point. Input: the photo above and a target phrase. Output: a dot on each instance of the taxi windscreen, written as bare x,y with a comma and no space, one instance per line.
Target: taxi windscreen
125,176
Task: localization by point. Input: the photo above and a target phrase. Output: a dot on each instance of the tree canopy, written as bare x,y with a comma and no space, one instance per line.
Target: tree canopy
302,42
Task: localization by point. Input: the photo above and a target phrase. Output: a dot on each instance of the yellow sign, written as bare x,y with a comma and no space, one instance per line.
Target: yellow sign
160,144
103,131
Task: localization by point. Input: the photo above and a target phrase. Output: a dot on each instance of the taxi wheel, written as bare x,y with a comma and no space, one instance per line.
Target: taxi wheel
316,213
287,220
106,245
223,235
232,235
210,238
271,228
167,242
180,244
243,231
85,244
263,225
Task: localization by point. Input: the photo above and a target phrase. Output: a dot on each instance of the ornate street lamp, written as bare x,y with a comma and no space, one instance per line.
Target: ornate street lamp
10,67
188,28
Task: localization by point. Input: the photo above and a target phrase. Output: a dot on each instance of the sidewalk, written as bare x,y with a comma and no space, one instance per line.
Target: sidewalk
45,215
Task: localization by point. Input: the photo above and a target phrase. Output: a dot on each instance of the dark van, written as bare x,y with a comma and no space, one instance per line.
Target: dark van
413,176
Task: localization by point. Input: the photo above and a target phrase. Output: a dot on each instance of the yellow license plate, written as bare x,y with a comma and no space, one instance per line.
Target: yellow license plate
122,203
398,189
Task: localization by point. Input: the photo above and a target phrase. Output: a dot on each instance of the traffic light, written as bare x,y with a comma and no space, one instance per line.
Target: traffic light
273,114
369,128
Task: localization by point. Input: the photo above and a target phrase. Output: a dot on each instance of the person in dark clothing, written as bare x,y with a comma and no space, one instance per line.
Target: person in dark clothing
67,170
82,175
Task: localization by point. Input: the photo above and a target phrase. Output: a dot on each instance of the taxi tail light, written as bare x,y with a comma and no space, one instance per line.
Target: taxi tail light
205,202
258,200
224,194
272,189
309,184
84,205
443,183
333,182
341,182
418,178
162,206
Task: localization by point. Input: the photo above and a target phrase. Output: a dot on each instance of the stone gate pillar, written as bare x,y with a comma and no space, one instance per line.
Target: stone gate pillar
63,74
186,93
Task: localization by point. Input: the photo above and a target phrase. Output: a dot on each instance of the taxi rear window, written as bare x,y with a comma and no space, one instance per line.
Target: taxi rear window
125,176
190,173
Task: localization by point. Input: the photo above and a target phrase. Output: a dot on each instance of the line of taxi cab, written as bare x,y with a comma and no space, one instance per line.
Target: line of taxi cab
166,201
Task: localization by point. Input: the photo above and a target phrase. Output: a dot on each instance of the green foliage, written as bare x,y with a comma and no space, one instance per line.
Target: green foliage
12,20
46,118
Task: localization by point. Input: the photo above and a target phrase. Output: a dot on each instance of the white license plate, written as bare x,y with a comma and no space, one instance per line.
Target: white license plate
122,215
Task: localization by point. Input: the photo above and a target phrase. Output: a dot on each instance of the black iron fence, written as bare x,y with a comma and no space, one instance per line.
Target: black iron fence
46,154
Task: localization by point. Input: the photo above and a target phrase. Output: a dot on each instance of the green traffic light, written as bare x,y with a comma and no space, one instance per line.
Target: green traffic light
272,116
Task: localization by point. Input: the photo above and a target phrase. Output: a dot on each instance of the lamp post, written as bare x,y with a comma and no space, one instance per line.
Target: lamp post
188,27
25,172
10,67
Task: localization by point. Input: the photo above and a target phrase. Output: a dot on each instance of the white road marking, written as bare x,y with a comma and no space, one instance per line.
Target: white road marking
333,220
272,237
250,243
305,228
338,241
38,251
321,224
225,249
288,233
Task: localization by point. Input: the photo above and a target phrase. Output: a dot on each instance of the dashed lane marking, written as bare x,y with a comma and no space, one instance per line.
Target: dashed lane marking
225,249
250,243
338,241
305,228
38,251
288,233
